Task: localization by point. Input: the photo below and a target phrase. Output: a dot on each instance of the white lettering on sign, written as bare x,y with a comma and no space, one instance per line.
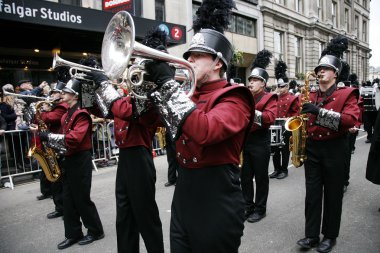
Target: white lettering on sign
111,3
44,13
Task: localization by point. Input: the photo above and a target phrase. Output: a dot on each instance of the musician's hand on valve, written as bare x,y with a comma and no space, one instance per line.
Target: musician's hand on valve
97,77
159,72
310,108
44,136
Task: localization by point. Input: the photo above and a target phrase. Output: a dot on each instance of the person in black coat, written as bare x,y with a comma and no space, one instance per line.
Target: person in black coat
373,163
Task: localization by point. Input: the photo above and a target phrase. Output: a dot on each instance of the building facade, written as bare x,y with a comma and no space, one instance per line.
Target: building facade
297,31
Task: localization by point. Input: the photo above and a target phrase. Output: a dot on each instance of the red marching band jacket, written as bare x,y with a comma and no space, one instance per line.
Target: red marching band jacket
287,105
214,133
267,105
77,131
130,132
343,100
52,120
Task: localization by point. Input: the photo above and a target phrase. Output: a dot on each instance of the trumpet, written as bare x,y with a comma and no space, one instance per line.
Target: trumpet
76,70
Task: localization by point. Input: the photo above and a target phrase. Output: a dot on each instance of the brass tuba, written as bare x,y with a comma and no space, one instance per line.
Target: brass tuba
124,57
46,157
297,125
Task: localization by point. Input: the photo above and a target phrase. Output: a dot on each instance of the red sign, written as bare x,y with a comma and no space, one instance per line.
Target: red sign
111,4
176,33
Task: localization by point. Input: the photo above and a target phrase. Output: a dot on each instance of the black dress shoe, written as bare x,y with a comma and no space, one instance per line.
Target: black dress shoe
68,242
367,141
42,197
90,238
326,245
282,175
54,214
308,243
169,184
274,174
255,217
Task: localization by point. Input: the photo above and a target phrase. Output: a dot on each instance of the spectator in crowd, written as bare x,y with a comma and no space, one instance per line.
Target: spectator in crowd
26,88
8,113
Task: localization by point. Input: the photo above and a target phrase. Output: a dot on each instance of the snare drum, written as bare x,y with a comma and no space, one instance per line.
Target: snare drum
371,99
280,122
276,135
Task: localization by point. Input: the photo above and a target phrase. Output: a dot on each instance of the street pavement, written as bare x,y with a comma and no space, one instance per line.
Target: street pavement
24,227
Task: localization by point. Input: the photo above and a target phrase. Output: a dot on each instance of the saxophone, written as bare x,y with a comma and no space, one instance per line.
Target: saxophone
46,157
297,125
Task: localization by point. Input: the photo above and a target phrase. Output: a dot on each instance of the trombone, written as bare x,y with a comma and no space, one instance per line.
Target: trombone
7,93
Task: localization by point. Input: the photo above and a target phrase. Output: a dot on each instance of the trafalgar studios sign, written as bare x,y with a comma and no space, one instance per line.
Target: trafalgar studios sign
52,14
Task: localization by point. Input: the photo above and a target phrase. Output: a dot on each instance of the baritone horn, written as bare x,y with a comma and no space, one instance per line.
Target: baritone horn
119,47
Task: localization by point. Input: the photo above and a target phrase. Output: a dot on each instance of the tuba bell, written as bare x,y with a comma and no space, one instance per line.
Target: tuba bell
119,50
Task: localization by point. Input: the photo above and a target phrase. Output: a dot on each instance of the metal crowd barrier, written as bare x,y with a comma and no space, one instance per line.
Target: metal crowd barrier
14,146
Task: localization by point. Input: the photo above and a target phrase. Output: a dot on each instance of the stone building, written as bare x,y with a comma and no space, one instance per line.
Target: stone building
296,31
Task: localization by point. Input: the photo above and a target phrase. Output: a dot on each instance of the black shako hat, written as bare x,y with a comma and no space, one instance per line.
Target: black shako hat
260,64
73,86
59,86
211,42
212,19
331,56
280,73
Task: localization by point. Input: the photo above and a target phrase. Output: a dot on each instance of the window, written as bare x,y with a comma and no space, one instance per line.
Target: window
347,58
321,46
93,4
160,10
69,2
364,30
242,25
298,54
319,6
299,6
252,1
278,45
333,14
364,69
365,4
357,26
195,7
347,20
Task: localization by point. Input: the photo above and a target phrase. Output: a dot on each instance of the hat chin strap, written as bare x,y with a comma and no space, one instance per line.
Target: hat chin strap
206,76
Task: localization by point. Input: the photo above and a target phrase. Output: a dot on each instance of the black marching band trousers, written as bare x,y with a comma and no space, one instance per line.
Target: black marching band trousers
76,196
256,156
324,174
136,207
207,210
53,188
172,159
282,154
369,119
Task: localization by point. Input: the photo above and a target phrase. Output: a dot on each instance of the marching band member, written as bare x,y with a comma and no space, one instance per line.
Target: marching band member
332,111
52,116
287,106
210,129
75,142
256,154
136,208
